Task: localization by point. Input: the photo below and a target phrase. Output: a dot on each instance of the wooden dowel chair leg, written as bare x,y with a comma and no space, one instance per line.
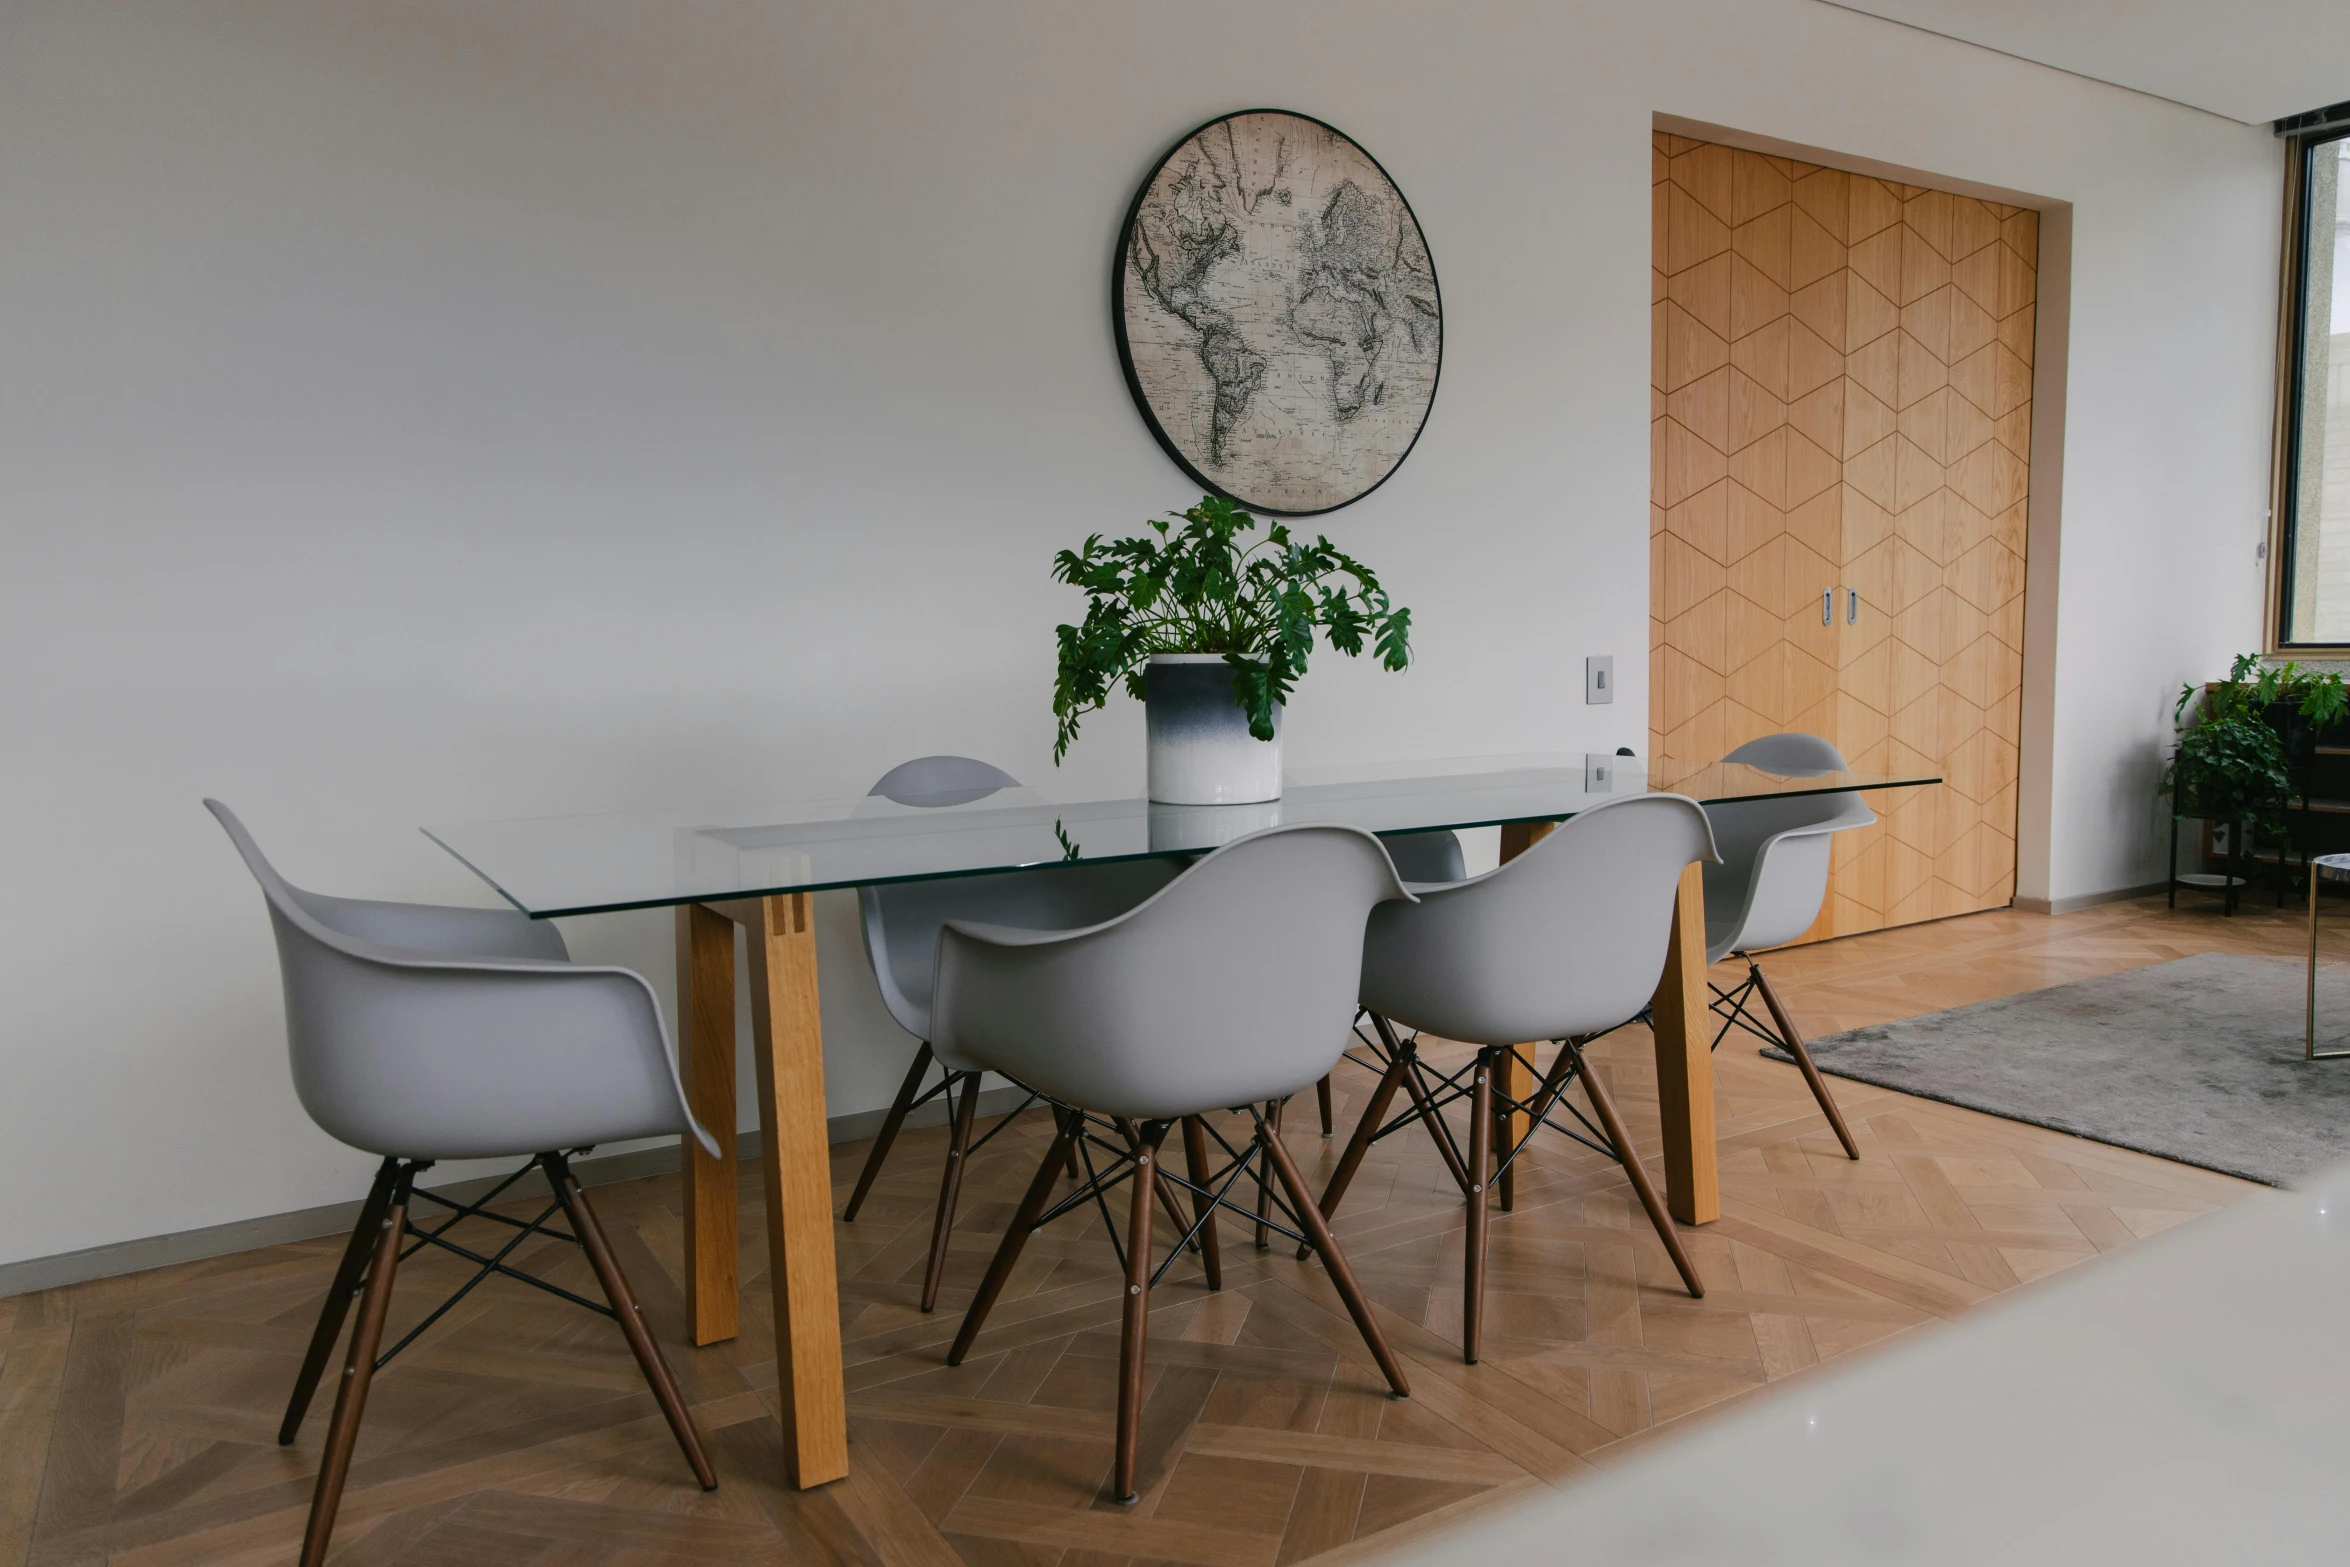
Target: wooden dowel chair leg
1480,1165
1265,1175
1203,1206
889,1131
950,1183
1605,1104
338,1299
1811,1071
1322,1100
1508,1074
1170,1200
1040,1191
342,1434
1421,1103
649,1358
1341,1276
1374,1117
1134,1326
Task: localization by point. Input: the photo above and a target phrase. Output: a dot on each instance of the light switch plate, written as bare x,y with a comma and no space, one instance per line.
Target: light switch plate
1599,679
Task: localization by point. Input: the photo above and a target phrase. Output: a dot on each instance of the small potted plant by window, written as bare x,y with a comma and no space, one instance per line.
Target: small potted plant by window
2240,742
1211,628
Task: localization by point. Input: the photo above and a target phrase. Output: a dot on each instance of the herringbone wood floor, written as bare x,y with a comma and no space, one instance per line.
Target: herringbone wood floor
137,1415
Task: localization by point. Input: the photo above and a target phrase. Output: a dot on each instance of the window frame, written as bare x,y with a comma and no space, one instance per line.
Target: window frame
2292,323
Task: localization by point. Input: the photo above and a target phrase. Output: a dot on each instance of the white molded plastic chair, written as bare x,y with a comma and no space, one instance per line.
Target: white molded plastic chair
901,924
1235,985
1564,943
421,1033
1769,887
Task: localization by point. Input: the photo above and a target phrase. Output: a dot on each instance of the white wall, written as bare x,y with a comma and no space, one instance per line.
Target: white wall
423,412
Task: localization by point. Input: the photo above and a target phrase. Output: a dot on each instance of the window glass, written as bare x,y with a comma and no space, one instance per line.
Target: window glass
2317,497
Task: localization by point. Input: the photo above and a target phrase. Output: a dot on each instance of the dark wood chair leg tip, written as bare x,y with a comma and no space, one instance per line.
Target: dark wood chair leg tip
659,1379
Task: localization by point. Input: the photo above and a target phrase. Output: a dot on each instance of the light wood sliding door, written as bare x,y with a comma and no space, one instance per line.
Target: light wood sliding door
1841,426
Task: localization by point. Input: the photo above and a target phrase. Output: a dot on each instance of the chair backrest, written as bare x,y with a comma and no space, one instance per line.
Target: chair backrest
1568,938
934,781
900,920
447,1033
1774,871
1236,983
1426,856
1790,755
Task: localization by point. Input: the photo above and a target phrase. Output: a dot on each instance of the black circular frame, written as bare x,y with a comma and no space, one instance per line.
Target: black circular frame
1126,351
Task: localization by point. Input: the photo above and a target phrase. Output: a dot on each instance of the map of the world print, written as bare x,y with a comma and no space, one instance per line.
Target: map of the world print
1277,313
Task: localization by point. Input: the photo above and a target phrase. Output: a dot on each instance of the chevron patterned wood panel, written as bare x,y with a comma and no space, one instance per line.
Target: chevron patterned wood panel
1841,402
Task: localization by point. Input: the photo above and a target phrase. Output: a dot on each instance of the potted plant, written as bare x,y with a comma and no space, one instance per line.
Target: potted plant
1211,629
2239,739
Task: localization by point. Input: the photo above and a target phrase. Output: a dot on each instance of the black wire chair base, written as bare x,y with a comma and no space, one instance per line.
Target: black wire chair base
1731,1007
1214,1188
1502,1126
419,1237
908,1101
989,1136
946,1086
1431,1091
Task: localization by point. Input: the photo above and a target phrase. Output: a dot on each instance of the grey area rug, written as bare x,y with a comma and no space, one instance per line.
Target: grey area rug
2197,1060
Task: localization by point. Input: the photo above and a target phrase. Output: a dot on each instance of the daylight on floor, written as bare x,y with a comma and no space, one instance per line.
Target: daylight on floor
812,890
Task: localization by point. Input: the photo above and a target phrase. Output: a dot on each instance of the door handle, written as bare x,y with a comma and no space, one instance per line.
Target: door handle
1851,607
1828,607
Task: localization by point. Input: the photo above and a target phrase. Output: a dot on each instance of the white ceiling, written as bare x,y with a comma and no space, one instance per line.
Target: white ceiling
2251,60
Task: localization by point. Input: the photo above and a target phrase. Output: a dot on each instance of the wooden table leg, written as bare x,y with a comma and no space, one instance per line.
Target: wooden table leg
1515,1078
705,1048
795,1164
1685,1062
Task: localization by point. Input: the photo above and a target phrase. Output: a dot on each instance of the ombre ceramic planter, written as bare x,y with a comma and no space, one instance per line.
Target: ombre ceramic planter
1201,752
1199,829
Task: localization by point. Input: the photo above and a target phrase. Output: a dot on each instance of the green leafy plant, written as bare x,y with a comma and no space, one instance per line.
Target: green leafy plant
2231,763
1197,583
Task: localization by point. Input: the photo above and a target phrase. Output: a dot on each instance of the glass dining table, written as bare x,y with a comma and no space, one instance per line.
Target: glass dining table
758,868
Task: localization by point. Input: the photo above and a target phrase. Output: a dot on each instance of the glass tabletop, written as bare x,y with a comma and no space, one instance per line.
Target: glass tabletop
547,866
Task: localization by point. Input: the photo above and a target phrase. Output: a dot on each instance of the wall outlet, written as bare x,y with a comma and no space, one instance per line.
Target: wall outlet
1599,679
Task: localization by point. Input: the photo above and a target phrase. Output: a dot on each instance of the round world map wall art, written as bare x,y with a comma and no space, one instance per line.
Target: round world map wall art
1277,313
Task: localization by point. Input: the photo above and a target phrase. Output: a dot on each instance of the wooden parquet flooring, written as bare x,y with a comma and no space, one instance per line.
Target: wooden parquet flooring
137,1415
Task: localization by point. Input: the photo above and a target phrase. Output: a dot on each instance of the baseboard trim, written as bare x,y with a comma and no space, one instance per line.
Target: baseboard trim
336,1218
2086,900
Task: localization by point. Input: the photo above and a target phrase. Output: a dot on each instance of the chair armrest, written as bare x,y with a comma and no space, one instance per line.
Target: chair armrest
440,928
589,1030
1015,935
